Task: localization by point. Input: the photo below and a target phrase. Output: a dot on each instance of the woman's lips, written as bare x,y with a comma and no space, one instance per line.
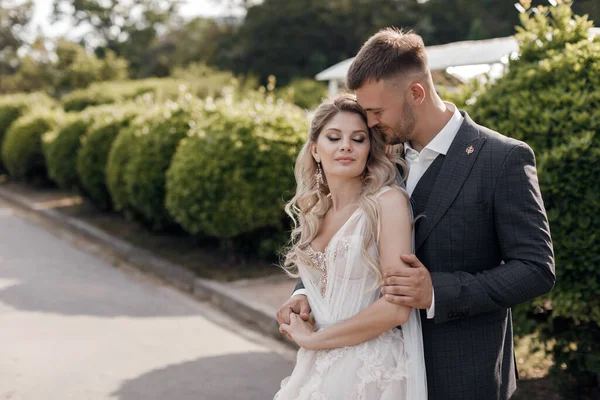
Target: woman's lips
345,160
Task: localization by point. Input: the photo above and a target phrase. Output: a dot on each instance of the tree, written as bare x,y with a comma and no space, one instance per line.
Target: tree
300,38
200,39
70,67
129,28
14,18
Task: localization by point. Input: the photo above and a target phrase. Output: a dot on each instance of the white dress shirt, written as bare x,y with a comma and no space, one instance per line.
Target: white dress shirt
418,162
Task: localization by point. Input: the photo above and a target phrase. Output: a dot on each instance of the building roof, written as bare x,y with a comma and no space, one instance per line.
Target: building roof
471,52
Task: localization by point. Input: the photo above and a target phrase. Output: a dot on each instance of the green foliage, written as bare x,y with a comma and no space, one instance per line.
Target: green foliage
157,138
159,89
465,95
300,38
568,178
200,40
130,28
22,146
242,190
305,93
60,148
14,18
550,98
118,158
16,105
76,68
104,93
72,68
92,157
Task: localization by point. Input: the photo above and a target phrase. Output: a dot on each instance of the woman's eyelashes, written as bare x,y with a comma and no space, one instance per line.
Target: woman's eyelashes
335,139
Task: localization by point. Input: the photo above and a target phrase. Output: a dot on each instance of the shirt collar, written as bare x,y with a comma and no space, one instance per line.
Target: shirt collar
442,141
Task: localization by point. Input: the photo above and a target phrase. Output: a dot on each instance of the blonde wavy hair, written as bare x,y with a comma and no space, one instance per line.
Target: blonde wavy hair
311,202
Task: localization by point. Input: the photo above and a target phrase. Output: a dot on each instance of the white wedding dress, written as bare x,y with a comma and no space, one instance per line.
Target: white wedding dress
388,367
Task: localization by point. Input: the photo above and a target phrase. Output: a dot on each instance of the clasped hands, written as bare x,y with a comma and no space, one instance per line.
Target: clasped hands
408,283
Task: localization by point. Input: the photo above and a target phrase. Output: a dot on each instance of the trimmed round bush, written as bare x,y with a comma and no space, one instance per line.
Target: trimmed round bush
234,172
60,150
15,105
550,98
156,141
22,146
92,157
118,158
80,99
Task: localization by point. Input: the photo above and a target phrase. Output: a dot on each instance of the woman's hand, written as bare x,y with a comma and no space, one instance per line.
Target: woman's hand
300,331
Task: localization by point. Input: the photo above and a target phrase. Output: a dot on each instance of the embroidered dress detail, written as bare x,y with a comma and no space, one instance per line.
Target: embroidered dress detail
318,260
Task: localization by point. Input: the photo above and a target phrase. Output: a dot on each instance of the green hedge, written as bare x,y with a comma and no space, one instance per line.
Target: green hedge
569,181
162,89
118,158
305,93
92,157
15,105
157,137
60,148
550,98
22,146
232,175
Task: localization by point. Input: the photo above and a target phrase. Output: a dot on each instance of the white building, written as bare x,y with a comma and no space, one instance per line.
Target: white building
460,60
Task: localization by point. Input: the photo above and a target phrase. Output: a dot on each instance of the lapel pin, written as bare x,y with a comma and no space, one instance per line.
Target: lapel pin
470,150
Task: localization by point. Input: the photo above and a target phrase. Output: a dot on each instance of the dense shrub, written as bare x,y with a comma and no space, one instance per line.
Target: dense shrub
305,93
156,140
118,158
550,98
231,176
15,105
60,148
163,89
79,100
95,146
568,178
22,146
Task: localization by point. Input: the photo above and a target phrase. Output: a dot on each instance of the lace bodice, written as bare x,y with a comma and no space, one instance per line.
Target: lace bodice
338,281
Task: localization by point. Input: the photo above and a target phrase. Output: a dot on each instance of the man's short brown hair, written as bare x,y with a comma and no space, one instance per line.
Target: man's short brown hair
389,52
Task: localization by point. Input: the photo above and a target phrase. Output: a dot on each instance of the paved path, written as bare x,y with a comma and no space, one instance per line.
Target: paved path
74,327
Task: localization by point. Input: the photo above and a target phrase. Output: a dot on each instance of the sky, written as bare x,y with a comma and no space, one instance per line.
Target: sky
189,9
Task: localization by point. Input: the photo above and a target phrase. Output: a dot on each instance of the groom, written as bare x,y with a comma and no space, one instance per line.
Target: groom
483,244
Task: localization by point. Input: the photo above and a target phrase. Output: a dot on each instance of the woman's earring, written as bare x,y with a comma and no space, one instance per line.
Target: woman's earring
319,175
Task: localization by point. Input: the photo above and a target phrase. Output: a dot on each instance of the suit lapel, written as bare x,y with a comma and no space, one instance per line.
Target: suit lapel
454,171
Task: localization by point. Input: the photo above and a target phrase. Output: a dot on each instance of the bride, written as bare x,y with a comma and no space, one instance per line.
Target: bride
352,222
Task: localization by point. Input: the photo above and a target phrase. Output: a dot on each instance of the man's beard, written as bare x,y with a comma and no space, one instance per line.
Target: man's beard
403,131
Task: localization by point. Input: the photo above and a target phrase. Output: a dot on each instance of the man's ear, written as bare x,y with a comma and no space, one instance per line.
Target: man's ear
416,93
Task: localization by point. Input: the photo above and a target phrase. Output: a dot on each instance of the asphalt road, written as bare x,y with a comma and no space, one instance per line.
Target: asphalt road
73,326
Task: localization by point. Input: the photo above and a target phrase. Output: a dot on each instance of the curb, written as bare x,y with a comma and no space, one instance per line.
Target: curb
258,315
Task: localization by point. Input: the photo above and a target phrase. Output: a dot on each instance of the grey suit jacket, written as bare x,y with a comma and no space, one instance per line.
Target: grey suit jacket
486,241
